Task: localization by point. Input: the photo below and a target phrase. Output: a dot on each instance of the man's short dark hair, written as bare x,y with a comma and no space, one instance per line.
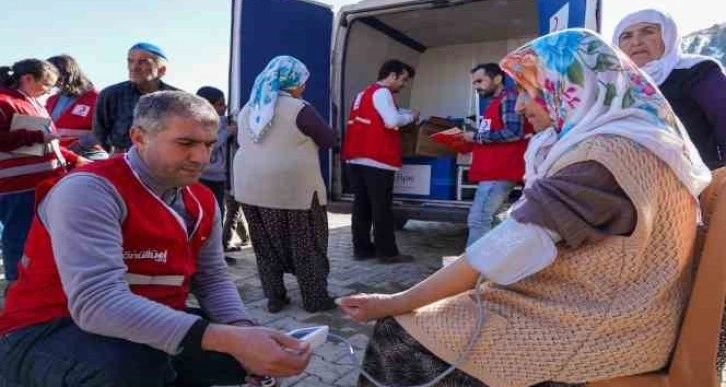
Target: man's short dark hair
490,69
211,94
395,66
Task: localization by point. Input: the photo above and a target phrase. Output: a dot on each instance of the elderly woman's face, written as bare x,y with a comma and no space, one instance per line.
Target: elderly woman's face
643,42
535,113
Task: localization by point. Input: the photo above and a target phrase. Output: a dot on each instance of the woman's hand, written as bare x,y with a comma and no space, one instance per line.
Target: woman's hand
365,307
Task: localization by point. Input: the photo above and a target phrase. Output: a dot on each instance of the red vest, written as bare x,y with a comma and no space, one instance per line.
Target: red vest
159,256
366,135
501,160
21,172
77,118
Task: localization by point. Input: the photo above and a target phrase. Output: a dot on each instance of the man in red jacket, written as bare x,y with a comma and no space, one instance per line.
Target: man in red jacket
114,251
498,156
372,149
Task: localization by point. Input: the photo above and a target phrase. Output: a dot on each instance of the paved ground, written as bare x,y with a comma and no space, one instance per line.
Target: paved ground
331,366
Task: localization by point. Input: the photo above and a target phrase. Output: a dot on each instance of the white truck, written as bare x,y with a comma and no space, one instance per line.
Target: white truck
442,39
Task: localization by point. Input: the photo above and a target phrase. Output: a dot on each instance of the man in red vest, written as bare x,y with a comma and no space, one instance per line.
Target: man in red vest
113,253
372,149
498,156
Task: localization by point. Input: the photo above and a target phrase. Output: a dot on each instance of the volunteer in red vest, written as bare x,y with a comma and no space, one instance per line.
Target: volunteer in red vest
72,108
20,171
372,149
498,158
113,253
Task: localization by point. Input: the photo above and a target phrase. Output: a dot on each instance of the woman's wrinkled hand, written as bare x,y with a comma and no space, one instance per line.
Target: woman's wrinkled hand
365,307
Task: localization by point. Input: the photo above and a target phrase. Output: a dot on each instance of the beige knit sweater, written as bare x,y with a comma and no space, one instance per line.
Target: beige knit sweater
282,170
603,310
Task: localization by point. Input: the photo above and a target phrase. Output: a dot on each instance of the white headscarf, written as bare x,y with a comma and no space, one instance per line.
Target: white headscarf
281,73
591,89
673,56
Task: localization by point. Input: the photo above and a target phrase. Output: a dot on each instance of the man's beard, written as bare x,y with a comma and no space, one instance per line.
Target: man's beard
486,93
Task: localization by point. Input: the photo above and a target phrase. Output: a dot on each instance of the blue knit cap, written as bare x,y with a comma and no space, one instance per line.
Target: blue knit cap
150,48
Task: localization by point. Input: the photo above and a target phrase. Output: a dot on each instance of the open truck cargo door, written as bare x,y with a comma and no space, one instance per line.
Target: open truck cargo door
443,40
263,29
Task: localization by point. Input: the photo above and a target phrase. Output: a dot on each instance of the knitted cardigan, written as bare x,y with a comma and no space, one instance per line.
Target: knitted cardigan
603,310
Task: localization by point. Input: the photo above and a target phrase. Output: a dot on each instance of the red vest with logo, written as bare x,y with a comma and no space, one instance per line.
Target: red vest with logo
20,172
159,254
77,118
499,160
366,135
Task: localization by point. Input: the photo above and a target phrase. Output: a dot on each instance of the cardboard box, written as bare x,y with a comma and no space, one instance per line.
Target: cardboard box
409,136
415,141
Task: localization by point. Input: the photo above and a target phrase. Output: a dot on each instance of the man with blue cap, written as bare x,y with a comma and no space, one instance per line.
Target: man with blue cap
146,63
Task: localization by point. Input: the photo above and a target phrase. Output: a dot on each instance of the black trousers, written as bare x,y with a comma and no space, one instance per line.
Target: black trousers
373,189
59,353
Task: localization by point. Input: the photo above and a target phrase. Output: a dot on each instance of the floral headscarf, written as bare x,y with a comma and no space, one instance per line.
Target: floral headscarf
673,56
591,88
282,73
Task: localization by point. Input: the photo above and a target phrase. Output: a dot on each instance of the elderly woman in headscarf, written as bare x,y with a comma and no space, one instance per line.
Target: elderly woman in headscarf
277,179
588,278
694,85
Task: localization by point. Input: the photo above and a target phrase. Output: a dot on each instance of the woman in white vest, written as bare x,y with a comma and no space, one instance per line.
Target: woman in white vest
588,278
277,179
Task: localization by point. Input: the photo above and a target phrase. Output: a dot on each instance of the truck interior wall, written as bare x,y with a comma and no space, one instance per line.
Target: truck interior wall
442,86
366,51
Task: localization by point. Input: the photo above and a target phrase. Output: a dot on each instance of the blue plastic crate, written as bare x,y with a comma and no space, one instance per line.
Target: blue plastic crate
438,172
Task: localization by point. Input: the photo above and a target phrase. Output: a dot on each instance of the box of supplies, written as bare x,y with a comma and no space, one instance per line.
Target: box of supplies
409,136
426,178
416,140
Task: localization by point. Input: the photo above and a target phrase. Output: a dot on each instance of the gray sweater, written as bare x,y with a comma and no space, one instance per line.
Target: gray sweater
217,168
83,214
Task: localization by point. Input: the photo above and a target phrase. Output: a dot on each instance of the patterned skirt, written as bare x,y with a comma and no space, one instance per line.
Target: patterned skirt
395,357
291,241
